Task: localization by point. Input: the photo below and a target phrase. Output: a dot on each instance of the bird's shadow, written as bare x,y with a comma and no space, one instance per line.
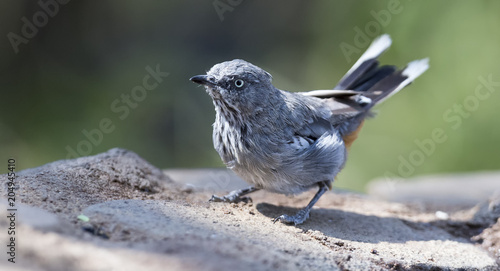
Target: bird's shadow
352,226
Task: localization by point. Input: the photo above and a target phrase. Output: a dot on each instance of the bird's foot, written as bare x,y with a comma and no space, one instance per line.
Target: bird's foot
231,198
296,219
235,196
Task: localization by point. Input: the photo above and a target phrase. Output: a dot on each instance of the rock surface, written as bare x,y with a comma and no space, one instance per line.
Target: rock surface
139,219
452,191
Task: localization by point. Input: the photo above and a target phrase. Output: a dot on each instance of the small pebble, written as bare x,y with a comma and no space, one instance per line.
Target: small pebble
188,188
442,215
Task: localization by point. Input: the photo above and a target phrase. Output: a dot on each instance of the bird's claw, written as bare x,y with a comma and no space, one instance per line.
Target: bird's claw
230,198
296,219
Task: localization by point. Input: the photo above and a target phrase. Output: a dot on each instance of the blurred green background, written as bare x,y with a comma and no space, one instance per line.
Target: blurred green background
84,55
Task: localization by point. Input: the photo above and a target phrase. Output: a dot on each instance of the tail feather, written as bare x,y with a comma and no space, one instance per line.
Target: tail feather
396,81
365,85
371,79
366,63
379,82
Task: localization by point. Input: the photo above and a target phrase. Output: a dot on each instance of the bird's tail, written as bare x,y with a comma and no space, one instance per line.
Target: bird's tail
380,82
365,85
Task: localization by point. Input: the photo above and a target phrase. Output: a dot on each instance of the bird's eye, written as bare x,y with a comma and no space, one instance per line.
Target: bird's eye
239,83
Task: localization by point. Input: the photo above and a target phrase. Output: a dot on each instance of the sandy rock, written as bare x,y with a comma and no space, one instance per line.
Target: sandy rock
449,191
141,220
67,186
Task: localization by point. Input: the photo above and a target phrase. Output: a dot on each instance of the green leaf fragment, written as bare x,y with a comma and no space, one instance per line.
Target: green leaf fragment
83,218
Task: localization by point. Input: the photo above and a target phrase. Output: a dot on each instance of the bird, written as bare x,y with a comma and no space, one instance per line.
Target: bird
290,142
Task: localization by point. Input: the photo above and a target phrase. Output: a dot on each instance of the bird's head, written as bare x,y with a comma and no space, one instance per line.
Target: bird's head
238,85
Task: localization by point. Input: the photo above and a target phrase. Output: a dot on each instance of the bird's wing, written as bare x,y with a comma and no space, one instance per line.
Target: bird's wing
309,132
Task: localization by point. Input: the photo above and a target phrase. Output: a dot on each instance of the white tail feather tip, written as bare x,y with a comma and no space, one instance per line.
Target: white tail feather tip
376,48
415,68
382,42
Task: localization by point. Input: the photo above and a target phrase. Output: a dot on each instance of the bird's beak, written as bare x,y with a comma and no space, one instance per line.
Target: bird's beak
203,80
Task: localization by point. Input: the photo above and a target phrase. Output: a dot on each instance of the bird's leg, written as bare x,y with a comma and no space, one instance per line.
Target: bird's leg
303,214
235,196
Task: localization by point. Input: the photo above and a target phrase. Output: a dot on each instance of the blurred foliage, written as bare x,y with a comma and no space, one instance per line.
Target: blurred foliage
65,78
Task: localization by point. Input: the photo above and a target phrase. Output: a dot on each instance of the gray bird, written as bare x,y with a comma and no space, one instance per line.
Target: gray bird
290,142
